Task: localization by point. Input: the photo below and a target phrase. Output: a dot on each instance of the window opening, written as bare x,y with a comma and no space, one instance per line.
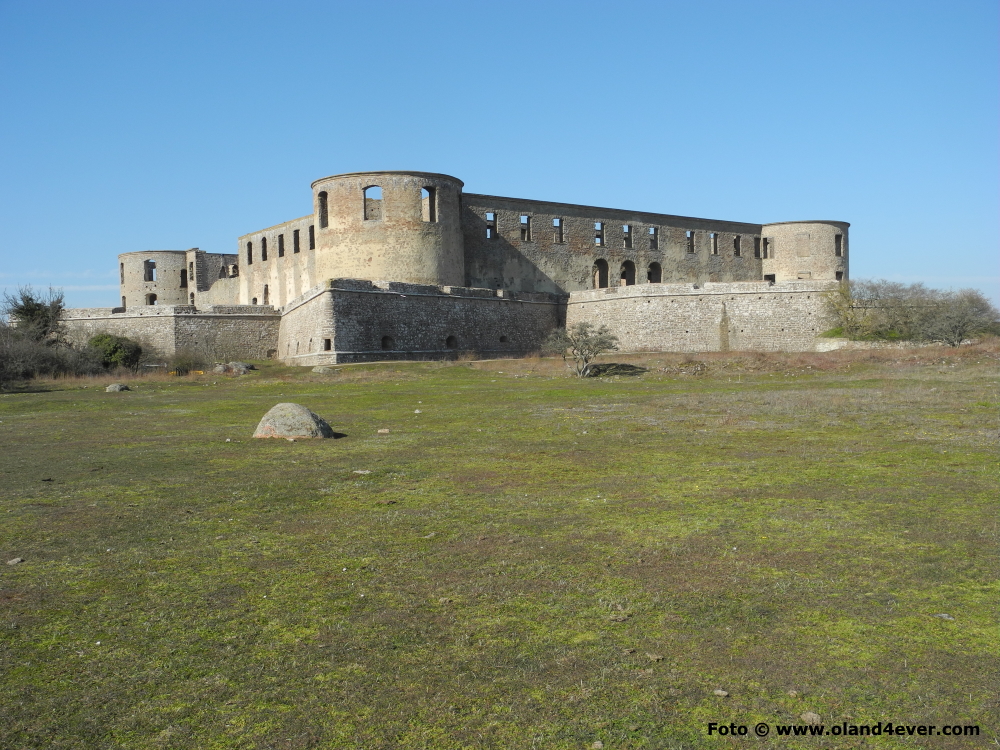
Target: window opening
222,272
312,237
254,302
388,343
295,241
150,299
503,339
690,239
149,270
756,247
191,271
451,342
184,279
192,297
249,253
600,274
627,273
525,228
428,203
840,277
324,217
263,249
654,274
599,234
737,250
267,296
327,345
373,203
627,236
557,231
838,245
234,271
654,238
122,270
715,243
765,247
769,277
281,246
491,225
123,302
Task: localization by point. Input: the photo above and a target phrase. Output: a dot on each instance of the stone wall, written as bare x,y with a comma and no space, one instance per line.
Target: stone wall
363,321
287,272
786,316
216,332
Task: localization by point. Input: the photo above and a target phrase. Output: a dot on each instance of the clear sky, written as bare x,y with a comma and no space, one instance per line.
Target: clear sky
166,125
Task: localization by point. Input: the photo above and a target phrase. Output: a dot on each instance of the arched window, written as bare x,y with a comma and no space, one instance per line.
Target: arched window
254,302
122,272
388,343
263,249
324,219
628,273
654,274
123,301
428,203
267,295
150,299
372,202
184,279
249,253
234,271
451,342
600,273
192,297
222,271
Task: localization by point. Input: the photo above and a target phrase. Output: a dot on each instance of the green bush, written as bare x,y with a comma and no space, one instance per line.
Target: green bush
116,351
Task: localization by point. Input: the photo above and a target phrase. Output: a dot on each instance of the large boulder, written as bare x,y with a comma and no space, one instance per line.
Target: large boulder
233,368
292,421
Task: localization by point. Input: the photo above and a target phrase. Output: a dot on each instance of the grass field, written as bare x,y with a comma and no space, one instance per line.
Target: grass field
525,560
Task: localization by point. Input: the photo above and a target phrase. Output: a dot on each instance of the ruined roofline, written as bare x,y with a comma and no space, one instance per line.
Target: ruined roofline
274,226
437,175
835,223
670,219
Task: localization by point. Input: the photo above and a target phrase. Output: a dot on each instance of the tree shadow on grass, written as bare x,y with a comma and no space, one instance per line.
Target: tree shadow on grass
614,368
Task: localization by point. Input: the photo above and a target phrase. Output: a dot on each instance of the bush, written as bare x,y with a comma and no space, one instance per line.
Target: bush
185,361
22,357
582,343
35,316
116,351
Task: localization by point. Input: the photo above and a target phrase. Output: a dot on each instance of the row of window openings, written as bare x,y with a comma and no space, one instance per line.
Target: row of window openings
149,272
388,343
371,205
296,247
761,244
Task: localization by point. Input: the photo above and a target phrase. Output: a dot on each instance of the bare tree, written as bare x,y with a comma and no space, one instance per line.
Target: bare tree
958,316
36,316
583,342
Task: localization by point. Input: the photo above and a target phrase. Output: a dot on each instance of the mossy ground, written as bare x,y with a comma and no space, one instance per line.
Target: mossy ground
532,561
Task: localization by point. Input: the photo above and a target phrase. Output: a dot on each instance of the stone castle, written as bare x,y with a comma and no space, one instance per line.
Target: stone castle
405,265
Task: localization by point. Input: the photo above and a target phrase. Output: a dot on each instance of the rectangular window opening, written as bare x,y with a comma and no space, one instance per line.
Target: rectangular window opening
295,242
491,225
838,246
327,345
428,204
756,247
736,246
690,243
281,246
599,233
654,238
557,231
627,236
263,248
715,243
525,228
840,276
765,247
312,237
249,253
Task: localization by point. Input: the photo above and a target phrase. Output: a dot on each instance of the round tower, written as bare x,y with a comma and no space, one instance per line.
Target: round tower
154,277
394,226
814,250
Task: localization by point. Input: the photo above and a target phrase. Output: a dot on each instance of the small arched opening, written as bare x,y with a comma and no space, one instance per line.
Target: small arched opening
150,299
388,343
222,272
234,271
451,342
324,216
192,298
122,272
249,253
123,301
654,274
267,295
372,202
627,276
263,249
600,273
253,301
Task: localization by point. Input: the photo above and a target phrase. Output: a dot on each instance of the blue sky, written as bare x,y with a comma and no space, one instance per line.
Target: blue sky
166,125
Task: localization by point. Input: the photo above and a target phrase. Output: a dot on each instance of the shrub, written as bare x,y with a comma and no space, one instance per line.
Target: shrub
583,342
35,316
116,351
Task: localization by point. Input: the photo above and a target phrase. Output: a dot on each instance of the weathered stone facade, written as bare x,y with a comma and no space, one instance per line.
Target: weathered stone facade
404,265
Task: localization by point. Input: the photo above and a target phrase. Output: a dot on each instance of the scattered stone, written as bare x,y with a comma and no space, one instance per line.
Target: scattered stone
654,657
598,745
361,471
416,411
324,370
233,368
444,600
628,650
16,561
619,618
810,718
383,432
292,421
386,502
117,388
944,616
633,727
720,693
793,694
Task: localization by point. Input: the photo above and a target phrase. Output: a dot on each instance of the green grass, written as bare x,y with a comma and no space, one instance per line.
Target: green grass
514,559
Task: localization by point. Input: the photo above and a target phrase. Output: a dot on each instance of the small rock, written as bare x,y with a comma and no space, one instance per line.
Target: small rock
386,502
720,693
444,600
228,440
633,727
628,650
619,618
323,370
810,718
361,471
416,411
16,561
944,616
598,745
383,432
654,657
117,388
793,694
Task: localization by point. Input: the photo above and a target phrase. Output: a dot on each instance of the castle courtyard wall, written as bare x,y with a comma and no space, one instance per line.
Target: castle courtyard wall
786,316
